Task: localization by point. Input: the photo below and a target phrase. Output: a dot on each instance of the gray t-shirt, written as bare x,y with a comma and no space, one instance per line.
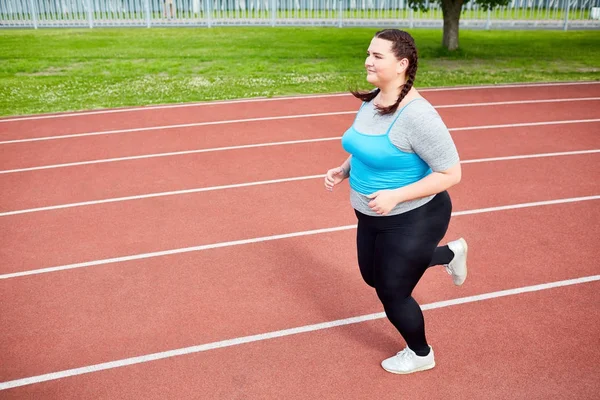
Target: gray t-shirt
419,129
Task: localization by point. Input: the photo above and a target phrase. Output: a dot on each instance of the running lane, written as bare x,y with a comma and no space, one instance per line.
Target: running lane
31,189
547,246
207,112
500,344
72,235
35,154
122,144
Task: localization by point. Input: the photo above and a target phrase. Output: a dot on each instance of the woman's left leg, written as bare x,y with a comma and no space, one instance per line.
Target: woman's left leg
400,263
404,249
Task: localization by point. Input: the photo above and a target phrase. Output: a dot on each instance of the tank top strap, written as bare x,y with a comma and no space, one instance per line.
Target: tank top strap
358,112
400,112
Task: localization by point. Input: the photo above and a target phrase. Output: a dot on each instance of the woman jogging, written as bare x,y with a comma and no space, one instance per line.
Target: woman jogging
402,160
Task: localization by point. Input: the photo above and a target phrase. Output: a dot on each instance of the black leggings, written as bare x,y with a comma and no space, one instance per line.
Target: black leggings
393,254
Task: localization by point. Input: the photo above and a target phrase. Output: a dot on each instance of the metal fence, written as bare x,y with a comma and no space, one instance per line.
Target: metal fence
519,14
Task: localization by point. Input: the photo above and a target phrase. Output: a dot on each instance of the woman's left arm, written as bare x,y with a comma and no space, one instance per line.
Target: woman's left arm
433,183
383,201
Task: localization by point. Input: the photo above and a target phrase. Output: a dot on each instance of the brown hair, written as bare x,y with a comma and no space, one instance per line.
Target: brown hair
403,46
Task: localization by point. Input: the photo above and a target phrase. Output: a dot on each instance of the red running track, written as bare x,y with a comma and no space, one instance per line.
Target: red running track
488,353
74,149
73,318
171,222
240,110
30,189
142,306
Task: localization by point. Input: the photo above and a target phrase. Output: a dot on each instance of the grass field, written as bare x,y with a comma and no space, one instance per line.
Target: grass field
71,69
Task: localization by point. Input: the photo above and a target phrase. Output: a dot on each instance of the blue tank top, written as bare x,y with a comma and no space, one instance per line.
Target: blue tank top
377,164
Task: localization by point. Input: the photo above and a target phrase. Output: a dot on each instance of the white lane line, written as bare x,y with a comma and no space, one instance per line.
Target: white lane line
284,332
235,121
159,194
169,154
203,247
512,102
165,127
176,251
573,121
217,103
267,182
257,145
541,155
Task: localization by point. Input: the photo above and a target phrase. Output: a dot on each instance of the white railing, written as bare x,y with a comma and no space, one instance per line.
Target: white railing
551,14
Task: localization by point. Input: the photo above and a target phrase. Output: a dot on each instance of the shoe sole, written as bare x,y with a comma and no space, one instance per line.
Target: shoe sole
423,368
466,246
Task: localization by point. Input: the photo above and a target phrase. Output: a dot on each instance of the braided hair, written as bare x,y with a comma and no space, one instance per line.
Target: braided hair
403,46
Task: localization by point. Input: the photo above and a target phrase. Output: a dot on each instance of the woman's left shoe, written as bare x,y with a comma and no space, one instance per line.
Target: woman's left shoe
407,362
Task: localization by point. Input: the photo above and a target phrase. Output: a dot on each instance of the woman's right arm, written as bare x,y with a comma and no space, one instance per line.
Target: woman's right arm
346,167
336,175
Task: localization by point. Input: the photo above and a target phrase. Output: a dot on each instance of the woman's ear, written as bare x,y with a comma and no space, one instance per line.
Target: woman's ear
402,66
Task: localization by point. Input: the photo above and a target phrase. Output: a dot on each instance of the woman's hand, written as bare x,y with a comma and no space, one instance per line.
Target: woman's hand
333,177
383,201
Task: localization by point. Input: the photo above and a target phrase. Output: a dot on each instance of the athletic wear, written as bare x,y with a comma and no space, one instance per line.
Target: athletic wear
393,254
377,164
394,251
414,141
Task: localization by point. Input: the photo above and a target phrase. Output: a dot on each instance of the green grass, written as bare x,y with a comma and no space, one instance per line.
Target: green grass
72,69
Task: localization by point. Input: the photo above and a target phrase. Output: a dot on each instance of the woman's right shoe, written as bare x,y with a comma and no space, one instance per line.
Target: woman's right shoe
407,362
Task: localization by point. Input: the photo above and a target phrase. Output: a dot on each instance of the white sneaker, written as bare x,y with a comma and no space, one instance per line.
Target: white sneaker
458,266
407,361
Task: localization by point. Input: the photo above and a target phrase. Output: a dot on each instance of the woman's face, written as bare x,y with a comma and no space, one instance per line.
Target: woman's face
382,66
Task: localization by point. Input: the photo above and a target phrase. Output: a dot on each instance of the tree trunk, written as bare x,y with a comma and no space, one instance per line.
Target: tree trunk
451,10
